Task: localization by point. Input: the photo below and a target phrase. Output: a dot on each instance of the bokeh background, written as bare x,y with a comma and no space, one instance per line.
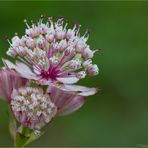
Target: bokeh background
118,114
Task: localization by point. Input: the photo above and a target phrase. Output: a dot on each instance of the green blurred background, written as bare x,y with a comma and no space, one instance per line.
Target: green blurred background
118,114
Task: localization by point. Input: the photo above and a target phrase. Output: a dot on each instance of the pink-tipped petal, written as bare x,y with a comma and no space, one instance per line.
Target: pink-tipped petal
9,64
74,104
81,90
66,102
21,68
25,71
9,80
68,80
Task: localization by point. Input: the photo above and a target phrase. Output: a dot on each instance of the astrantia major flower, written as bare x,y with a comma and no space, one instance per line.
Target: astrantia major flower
50,52
50,58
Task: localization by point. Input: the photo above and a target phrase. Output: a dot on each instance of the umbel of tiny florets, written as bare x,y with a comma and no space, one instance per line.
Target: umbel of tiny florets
32,108
53,52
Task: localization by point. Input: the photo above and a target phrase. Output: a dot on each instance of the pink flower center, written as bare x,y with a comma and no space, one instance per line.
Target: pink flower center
52,73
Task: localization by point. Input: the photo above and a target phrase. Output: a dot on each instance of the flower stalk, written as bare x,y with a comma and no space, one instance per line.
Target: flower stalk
25,137
21,135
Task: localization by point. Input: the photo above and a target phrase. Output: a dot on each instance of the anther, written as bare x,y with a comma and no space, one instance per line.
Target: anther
50,19
16,33
61,17
42,17
9,42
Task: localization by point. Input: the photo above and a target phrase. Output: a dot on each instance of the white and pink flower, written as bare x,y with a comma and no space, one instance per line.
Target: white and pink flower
49,52
32,108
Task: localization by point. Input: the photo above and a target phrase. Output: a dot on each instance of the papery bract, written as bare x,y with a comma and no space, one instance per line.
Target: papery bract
9,80
69,98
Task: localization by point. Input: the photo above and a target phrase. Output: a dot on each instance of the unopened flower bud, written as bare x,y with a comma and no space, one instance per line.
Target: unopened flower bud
81,74
32,108
80,46
62,45
16,41
93,70
75,64
60,33
43,28
41,43
70,33
21,51
88,54
33,32
49,37
30,43
11,52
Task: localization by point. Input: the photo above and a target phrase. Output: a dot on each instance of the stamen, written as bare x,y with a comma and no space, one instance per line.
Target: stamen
9,42
65,26
50,19
78,29
60,21
25,21
75,26
86,35
41,19
34,64
24,61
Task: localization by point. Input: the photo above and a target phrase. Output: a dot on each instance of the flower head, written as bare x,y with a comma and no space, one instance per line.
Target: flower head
32,108
52,53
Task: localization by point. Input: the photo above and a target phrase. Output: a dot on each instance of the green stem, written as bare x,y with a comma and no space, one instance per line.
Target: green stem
25,136
12,125
21,136
21,140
